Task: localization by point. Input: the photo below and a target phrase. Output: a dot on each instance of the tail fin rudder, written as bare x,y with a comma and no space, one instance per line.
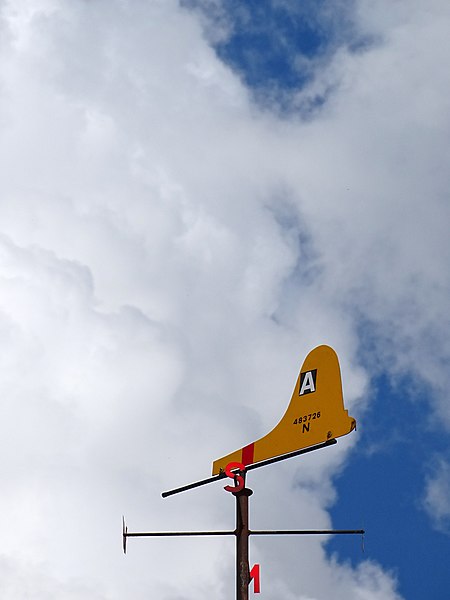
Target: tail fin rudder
315,414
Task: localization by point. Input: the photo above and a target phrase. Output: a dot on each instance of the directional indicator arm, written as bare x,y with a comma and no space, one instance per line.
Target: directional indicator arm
191,486
262,463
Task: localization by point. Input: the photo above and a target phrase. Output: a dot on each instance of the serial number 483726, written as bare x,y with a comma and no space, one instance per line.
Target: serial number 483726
305,418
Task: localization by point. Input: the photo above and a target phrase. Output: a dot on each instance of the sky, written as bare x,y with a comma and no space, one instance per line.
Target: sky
193,195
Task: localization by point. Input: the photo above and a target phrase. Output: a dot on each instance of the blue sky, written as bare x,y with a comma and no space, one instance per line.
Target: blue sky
270,43
194,194
384,490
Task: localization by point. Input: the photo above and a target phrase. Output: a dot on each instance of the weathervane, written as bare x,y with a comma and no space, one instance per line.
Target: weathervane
313,420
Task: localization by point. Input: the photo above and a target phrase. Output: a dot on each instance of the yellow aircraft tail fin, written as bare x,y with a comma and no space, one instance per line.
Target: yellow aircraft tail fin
315,414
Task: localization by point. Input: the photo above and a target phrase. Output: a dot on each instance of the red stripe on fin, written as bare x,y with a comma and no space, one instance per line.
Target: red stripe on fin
247,454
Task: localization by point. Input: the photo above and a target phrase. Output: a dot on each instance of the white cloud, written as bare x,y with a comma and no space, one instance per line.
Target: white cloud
168,255
374,172
437,496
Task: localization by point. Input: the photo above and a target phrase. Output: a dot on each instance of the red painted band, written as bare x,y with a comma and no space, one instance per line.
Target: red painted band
247,454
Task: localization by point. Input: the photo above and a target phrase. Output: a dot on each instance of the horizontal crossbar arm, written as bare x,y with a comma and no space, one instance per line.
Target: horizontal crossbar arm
127,534
251,532
256,465
308,532
176,533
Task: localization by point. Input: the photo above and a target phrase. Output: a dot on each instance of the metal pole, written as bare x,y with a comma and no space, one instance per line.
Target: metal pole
242,535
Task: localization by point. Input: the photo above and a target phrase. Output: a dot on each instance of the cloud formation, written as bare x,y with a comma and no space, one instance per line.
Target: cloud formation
437,496
170,252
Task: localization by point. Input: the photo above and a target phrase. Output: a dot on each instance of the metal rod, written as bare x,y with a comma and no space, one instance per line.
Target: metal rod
250,532
262,463
308,532
242,535
191,486
176,533
270,461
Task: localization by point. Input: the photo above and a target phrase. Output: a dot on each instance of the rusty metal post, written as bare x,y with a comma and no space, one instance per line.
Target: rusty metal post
242,535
